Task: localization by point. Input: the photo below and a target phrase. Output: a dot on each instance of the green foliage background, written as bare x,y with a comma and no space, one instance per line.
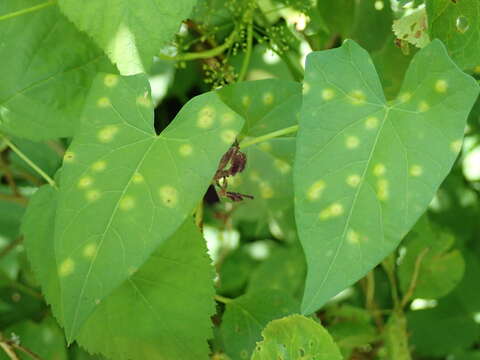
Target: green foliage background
239,179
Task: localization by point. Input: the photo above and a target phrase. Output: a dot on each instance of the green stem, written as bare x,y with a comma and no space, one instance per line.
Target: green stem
28,10
248,52
413,282
389,267
252,141
25,158
223,299
207,54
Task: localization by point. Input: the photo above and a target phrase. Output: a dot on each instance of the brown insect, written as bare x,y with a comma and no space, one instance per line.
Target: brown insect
232,163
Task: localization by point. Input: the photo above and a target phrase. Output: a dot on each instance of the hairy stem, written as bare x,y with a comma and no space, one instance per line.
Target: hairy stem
274,134
25,158
28,10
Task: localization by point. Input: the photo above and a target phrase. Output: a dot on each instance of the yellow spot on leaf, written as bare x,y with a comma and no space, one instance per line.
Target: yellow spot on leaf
306,88
92,195
282,166
405,97
441,86
353,237
316,190
352,142
371,122
379,169
416,170
268,98
353,180
423,106
334,210
85,182
107,133
357,97
99,166
228,136
246,101
254,176
206,117
66,268
138,178
476,69
69,157
127,203
169,196
328,94
185,150
265,146
382,189
90,250
266,191
110,80
104,102
144,100
456,146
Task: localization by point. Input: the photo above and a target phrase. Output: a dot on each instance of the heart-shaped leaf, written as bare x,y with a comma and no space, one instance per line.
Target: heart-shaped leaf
124,190
366,169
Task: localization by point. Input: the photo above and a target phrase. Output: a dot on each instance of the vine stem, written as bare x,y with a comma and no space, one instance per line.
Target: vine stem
248,53
7,348
222,299
274,134
28,10
204,54
25,158
413,282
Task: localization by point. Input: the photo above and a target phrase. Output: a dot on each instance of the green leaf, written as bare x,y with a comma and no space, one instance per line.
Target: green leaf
283,270
350,327
124,190
294,338
266,105
161,311
47,69
458,25
268,177
130,33
165,306
440,270
247,315
366,169
235,271
44,339
450,325
11,216
391,64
